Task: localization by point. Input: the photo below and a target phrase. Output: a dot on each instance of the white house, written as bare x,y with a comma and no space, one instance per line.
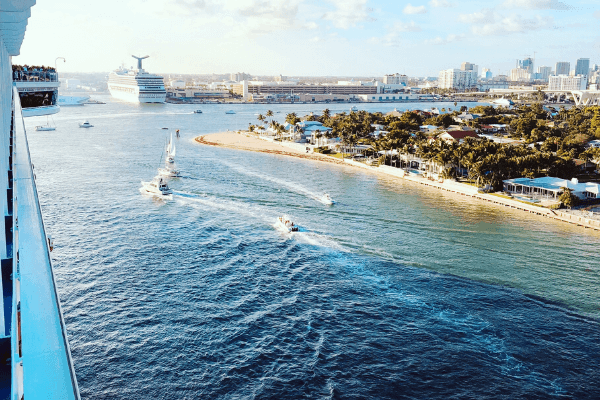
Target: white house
551,187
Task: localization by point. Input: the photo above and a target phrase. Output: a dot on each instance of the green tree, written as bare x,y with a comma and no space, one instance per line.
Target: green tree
567,198
292,118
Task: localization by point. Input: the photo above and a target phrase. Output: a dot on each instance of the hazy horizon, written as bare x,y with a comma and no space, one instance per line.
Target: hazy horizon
308,38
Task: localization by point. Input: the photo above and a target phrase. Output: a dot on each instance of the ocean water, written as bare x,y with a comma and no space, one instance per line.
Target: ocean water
396,292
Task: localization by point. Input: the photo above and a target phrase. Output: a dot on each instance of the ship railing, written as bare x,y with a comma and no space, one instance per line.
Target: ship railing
34,76
35,296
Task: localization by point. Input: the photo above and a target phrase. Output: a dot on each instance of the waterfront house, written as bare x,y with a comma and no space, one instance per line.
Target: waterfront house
457,136
550,188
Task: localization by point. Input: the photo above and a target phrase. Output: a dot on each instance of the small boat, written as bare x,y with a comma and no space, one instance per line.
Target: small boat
197,111
326,199
85,124
169,172
230,112
286,224
164,128
157,187
46,127
170,151
353,108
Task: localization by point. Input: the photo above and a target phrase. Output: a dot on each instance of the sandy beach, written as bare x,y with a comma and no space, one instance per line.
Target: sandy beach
242,141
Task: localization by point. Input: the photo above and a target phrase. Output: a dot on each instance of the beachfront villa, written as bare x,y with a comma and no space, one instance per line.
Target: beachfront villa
457,136
550,188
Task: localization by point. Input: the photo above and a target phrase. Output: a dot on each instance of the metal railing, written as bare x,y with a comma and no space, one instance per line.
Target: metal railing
35,75
19,133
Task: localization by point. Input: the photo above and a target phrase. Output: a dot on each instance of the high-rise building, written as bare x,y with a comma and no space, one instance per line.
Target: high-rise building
458,78
520,75
582,67
544,73
467,66
395,79
526,64
562,68
240,76
567,82
486,74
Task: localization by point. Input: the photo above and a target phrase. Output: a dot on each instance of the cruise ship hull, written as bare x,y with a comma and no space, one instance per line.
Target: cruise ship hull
138,97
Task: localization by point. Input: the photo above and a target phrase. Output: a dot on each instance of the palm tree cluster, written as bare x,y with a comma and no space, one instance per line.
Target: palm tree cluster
557,137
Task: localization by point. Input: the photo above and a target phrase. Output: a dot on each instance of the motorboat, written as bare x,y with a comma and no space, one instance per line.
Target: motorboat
164,128
85,124
326,199
170,156
197,111
286,224
230,112
353,108
169,172
157,187
46,127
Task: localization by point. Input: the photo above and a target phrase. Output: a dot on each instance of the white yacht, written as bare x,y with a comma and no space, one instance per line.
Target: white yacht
137,85
326,199
286,224
85,124
157,187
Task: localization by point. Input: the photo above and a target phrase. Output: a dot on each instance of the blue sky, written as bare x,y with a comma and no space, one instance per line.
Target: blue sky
310,37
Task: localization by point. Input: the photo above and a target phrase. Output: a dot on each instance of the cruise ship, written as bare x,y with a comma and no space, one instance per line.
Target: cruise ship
136,85
36,358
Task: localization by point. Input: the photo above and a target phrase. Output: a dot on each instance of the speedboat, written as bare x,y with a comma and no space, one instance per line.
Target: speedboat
197,111
326,199
157,187
353,108
85,124
286,224
169,172
230,112
164,128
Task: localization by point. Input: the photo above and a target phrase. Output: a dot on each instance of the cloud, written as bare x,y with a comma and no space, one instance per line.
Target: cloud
393,37
491,23
537,4
410,9
440,4
448,39
597,14
348,13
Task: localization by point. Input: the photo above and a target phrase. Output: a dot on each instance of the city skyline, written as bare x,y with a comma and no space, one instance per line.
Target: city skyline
416,38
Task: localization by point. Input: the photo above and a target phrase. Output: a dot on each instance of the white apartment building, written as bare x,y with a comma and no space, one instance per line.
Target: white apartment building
520,75
457,79
395,79
567,82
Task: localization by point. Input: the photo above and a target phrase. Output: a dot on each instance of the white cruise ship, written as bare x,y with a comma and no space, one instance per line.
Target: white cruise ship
136,86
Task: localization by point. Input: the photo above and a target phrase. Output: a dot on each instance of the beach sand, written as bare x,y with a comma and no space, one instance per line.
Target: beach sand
241,141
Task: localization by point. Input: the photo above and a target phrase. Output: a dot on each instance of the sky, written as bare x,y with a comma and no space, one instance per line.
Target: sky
309,37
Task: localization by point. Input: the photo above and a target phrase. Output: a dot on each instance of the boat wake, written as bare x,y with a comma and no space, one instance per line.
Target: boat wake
291,186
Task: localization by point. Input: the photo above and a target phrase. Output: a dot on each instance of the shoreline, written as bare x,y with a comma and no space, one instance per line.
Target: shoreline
242,141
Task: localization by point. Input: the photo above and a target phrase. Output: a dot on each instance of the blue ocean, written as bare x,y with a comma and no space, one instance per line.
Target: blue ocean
398,291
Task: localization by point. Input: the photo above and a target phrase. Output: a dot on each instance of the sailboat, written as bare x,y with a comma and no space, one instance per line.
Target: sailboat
46,127
171,151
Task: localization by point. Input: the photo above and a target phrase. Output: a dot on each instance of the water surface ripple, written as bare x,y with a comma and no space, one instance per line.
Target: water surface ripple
398,291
